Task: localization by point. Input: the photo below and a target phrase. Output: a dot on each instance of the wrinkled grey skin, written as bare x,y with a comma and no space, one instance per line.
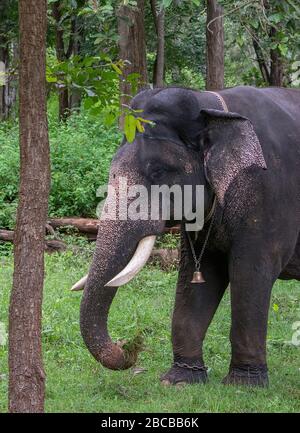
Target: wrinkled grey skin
253,167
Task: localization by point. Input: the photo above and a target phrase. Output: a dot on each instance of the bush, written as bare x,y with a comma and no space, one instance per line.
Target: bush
81,151
9,173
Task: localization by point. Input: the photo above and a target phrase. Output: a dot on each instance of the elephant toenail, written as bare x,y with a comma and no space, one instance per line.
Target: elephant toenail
181,384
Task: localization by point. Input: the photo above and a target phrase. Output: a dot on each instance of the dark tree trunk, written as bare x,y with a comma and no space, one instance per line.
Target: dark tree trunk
75,94
214,46
276,69
63,103
263,66
63,55
132,47
8,60
26,373
3,78
159,64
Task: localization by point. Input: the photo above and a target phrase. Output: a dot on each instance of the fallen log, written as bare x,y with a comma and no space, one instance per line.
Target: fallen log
6,235
51,245
166,258
83,225
89,225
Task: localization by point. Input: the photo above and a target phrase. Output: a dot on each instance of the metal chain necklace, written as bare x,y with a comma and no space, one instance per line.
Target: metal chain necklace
197,276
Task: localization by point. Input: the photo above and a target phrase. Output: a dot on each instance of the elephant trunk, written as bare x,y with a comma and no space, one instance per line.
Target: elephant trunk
116,244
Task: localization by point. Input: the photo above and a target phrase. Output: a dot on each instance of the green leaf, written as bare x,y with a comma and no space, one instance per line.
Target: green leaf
50,78
139,126
275,308
276,18
129,127
145,120
283,49
166,3
116,68
254,23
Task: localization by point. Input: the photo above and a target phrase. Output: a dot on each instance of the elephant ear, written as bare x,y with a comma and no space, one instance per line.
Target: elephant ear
230,147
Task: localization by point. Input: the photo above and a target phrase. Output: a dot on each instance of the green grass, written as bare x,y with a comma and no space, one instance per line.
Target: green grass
76,383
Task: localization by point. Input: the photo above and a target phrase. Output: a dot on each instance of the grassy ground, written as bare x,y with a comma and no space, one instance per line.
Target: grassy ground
76,383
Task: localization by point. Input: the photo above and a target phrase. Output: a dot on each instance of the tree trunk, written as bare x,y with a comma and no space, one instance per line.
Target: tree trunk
276,70
159,64
214,46
3,79
76,94
63,55
26,373
132,48
8,84
263,66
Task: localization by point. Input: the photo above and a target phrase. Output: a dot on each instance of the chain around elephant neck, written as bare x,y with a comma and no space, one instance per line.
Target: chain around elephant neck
198,277
211,217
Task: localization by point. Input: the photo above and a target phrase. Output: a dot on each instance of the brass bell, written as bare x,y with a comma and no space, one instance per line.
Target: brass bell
198,277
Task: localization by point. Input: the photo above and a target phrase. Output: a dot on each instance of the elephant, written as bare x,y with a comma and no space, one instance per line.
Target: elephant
242,144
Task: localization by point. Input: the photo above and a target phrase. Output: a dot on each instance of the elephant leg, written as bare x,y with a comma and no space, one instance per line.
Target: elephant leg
251,279
195,305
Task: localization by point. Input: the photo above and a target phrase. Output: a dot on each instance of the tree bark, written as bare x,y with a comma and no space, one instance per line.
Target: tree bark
75,94
276,69
3,79
159,64
263,66
132,48
63,55
9,84
26,373
214,46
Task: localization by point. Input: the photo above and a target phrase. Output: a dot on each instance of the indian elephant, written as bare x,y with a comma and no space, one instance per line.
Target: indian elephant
243,145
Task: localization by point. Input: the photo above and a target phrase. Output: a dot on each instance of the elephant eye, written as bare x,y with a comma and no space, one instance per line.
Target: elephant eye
157,173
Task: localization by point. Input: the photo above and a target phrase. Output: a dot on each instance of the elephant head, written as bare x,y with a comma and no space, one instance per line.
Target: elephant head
189,145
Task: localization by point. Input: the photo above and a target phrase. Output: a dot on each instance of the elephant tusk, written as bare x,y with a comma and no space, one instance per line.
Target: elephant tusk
80,284
139,259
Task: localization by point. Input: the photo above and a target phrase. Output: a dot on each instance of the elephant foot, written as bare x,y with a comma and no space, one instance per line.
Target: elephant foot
184,374
247,375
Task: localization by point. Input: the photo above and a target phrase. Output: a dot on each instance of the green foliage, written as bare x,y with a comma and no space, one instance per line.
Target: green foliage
9,173
134,123
168,240
8,21
81,152
184,43
95,77
273,25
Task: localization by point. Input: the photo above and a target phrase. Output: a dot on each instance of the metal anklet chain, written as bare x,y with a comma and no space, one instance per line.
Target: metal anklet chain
190,367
